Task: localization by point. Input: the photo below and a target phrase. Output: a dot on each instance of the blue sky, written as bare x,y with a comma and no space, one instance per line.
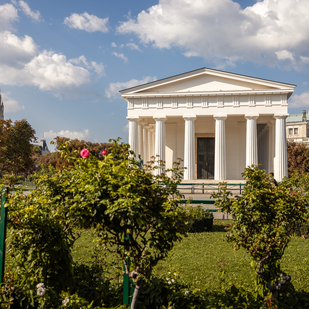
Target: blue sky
62,63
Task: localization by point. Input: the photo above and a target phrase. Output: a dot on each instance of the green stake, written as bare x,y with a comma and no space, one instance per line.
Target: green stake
3,217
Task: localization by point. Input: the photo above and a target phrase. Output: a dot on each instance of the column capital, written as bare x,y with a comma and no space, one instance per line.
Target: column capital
252,116
133,118
220,117
281,116
159,118
189,117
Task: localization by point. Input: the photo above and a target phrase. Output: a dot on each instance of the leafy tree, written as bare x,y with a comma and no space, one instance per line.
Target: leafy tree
59,162
136,214
298,158
16,147
37,150
263,219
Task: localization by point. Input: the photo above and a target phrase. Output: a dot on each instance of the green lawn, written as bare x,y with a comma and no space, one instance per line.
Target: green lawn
200,258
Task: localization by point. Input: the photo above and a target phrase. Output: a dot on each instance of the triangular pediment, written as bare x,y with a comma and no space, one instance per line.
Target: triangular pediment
207,81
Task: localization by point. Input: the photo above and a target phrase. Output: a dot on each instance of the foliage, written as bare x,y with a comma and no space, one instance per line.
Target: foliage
112,195
16,147
200,220
57,161
120,199
11,180
42,273
298,158
263,219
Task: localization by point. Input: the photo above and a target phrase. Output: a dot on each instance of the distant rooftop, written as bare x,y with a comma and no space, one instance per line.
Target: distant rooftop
296,118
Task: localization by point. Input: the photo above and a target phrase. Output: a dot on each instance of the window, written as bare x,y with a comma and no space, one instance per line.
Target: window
290,131
295,131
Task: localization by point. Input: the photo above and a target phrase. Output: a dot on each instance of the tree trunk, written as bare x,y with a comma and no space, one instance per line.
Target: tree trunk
138,287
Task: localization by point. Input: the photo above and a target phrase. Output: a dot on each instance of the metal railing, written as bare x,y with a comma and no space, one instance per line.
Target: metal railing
203,188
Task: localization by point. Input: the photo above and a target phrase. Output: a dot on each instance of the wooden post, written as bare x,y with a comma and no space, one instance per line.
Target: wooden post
3,219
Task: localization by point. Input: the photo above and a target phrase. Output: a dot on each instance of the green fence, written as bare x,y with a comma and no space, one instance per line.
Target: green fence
3,219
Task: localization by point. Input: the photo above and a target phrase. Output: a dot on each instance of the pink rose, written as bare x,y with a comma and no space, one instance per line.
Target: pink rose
104,152
84,153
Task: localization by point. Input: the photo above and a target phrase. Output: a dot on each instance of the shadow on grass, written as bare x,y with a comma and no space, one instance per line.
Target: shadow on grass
220,226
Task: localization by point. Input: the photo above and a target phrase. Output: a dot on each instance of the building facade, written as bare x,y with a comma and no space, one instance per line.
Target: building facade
297,128
218,122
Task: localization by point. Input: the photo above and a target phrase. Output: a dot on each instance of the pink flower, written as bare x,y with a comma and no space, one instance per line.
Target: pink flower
104,152
84,153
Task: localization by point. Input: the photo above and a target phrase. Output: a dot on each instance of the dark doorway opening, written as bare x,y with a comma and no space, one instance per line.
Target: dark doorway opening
205,157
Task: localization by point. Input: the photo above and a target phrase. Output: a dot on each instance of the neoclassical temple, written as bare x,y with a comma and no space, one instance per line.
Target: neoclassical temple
218,122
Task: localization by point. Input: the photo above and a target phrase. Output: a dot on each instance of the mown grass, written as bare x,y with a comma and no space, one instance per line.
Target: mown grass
201,258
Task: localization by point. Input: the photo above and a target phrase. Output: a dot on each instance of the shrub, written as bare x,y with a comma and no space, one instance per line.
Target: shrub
264,217
200,220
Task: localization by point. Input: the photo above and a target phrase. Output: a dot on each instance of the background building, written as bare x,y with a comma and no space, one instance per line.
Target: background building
297,128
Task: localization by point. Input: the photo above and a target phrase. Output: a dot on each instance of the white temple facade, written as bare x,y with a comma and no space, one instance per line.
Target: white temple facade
217,122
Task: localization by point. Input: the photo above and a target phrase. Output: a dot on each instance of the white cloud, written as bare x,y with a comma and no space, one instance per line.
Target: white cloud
51,71
66,133
299,100
11,105
191,53
126,127
114,44
98,68
26,9
21,63
121,56
8,15
82,60
132,46
87,22
16,51
113,89
221,31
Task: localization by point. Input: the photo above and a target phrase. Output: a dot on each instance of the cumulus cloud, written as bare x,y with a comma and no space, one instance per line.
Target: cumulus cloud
132,46
299,100
121,56
113,89
114,44
270,31
36,16
22,63
16,51
50,71
8,15
87,22
66,133
11,105
98,67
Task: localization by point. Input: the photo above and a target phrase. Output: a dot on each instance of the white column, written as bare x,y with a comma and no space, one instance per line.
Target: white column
251,140
145,144
220,148
281,164
133,137
153,142
160,141
140,139
189,151
149,145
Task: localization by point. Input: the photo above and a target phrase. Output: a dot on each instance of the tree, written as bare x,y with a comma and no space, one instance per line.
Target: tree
264,217
136,215
16,147
58,162
298,158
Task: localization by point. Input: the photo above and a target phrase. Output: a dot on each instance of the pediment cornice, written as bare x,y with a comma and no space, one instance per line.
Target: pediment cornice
208,82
